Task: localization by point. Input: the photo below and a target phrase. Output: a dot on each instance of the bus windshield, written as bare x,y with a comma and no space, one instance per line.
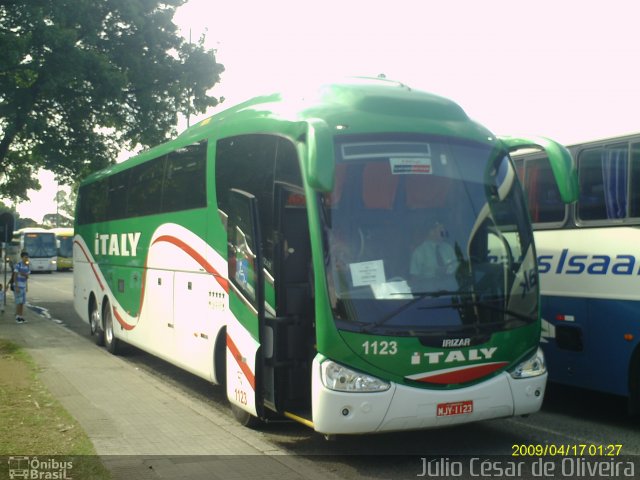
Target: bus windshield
65,246
427,236
40,245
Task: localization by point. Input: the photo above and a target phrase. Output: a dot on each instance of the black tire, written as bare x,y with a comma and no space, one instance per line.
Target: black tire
220,358
95,324
245,418
111,343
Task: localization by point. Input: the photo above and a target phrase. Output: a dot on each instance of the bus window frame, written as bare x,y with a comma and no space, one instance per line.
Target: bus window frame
568,208
578,154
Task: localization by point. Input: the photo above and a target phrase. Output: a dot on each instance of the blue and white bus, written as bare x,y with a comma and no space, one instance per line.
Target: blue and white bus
589,265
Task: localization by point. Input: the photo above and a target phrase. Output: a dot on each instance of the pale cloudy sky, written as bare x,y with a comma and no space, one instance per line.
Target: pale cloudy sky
566,69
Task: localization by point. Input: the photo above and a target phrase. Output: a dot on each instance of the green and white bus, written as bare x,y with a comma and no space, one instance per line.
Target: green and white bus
268,249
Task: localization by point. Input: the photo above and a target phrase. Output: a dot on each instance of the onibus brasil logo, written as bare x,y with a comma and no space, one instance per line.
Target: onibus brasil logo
40,469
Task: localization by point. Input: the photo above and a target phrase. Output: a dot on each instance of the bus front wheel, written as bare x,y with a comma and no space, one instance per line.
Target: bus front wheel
245,418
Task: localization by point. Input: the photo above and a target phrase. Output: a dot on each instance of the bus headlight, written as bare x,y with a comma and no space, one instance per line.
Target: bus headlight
532,367
342,379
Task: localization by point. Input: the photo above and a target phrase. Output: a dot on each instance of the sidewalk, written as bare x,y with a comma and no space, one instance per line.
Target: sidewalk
140,427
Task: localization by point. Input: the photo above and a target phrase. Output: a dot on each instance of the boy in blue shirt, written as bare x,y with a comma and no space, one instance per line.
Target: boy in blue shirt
20,276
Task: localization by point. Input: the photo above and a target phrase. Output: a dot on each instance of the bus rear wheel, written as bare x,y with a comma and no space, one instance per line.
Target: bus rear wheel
95,324
110,340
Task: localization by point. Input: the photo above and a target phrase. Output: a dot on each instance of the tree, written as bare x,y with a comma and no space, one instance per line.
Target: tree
26,223
65,210
66,203
19,222
81,80
8,209
55,220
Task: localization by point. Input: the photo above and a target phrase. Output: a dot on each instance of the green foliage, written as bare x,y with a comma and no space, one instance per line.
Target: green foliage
80,80
66,202
7,208
26,223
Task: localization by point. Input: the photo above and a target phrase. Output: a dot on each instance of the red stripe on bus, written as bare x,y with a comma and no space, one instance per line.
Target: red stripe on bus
121,321
90,263
164,238
241,362
462,375
224,283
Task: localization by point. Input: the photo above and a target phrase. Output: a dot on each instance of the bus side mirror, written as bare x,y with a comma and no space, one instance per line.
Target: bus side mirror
320,158
562,164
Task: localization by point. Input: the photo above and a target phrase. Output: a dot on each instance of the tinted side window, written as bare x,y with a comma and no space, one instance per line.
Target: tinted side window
169,183
246,162
287,166
185,179
118,186
543,196
603,176
634,194
145,191
92,202
117,197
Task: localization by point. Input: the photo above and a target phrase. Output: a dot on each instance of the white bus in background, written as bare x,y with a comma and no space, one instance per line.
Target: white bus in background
41,246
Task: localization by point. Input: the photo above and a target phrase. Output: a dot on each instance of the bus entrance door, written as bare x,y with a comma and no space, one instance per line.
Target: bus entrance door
246,302
274,335
291,331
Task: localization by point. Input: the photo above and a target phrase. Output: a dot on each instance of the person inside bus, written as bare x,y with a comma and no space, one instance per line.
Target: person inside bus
19,279
434,258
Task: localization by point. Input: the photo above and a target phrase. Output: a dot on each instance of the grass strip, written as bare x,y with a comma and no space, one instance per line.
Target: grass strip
34,424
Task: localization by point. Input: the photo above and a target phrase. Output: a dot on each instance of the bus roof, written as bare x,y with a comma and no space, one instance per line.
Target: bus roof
63,231
355,105
32,230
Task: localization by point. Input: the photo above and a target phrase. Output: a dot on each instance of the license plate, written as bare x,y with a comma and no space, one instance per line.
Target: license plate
455,408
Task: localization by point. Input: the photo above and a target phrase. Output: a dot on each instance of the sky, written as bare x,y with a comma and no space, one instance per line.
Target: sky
565,69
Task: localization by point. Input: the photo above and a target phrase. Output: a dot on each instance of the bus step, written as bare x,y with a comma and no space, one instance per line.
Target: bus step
303,417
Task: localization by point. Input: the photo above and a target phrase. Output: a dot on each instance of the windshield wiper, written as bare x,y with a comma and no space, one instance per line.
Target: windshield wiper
441,293
439,332
436,293
418,296
505,311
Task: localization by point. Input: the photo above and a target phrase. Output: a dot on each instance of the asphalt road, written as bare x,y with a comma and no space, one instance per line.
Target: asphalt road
569,416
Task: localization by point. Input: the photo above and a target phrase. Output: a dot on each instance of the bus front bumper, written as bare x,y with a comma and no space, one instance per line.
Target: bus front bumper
408,408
